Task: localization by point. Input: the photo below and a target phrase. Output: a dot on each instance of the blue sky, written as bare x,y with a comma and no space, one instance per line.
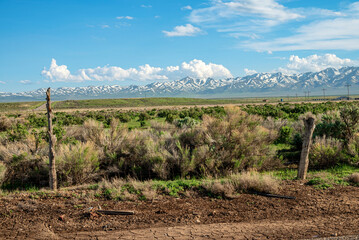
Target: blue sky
123,42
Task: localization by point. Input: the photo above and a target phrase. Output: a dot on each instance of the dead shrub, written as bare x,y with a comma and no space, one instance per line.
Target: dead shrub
253,181
2,172
91,130
24,166
353,178
222,189
26,170
5,123
274,126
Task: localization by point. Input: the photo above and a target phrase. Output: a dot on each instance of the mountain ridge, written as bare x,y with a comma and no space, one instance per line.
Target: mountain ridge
264,83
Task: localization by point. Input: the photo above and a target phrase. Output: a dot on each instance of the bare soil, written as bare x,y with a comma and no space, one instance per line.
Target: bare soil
313,214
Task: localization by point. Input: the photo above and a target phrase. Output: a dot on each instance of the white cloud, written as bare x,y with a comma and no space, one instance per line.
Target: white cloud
25,82
59,73
2,82
243,15
334,31
335,34
146,6
315,63
186,30
124,17
105,26
199,69
195,68
188,7
258,23
249,71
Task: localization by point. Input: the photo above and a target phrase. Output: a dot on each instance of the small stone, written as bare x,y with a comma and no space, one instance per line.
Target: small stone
62,217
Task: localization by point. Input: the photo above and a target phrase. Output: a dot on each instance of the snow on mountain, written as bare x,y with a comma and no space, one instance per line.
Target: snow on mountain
258,82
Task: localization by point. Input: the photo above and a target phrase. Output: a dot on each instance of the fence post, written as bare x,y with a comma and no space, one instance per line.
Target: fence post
52,140
309,125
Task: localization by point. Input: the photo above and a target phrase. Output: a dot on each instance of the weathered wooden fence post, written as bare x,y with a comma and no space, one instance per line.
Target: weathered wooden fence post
52,140
309,125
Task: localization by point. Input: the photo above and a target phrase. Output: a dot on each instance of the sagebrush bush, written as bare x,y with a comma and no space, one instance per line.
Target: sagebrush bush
144,154
350,118
325,152
236,142
77,164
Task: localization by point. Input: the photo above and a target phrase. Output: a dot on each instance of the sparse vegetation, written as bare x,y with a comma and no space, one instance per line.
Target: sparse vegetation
167,144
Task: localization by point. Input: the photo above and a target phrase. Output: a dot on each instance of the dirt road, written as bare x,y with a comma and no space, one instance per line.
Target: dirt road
66,215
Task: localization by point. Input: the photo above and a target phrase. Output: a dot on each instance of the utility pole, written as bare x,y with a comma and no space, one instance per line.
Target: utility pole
305,95
324,93
348,85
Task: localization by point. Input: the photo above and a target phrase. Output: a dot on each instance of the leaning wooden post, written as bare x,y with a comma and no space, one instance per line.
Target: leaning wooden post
52,140
309,125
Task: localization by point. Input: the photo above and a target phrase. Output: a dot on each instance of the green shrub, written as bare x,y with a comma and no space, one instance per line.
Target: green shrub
185,122
143,116
330,126
17,133
169,118
285,134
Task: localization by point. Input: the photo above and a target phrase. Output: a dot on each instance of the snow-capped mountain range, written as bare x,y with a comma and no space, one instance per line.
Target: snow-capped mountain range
263,84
